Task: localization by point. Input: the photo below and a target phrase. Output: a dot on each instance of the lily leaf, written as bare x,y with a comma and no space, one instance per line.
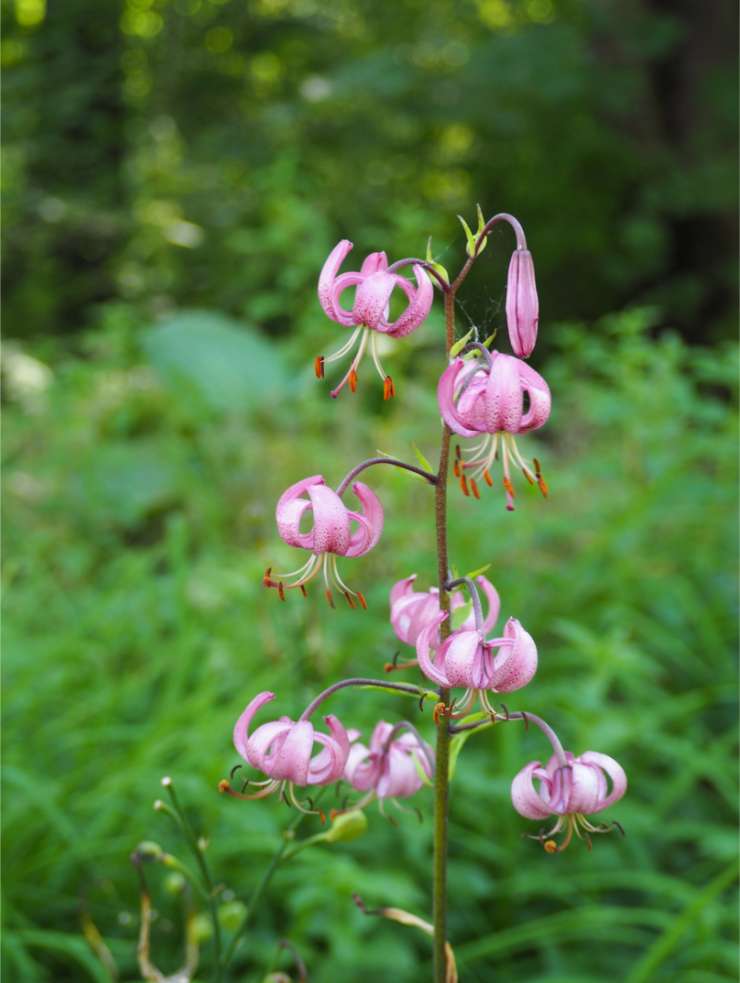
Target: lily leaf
489,341
437,266
421,459
481,226
470,248
460,615
459,345
409,474
477,573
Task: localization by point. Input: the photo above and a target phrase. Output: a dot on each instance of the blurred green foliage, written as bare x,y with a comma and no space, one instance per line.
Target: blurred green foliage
139,521
209,153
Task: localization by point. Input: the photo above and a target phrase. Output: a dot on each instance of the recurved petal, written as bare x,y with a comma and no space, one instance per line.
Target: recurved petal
398,776
293,758
375,263
371,299
460,657
446,399
584,793
328,765
328,275
524,798
402,588
370,527
331,528
504,402
241,730
515,665
265,743
289,510
494,603
535,386
362,769
341,283
422,650
614,770
420,303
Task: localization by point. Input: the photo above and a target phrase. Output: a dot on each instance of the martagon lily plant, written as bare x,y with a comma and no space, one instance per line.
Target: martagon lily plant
457,658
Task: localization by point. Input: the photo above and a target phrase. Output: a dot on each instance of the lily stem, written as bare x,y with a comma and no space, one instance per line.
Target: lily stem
431,478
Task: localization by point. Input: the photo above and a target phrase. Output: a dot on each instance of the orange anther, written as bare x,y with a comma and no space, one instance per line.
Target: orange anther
536,465
456,469
323,817
223,785
281,592
509,487
458,451
353,380
329,598
349,598
303,590
361,599
543,484
489,479
526,475
318,366
551,846
389,389
464,484
474,488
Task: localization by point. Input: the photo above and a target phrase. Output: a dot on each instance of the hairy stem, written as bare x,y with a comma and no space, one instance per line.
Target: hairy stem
341,488
398,687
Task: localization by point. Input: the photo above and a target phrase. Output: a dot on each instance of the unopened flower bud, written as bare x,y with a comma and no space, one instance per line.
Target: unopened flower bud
149,850
231,915
522,306
202,927
277,978
347,827
174,884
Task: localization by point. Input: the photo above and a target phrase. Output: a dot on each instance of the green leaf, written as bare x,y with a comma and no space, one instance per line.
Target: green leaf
409,474
477,573
437,266
420,771
459,345
470,248
458,741
489,341
481,225
460,615
421,459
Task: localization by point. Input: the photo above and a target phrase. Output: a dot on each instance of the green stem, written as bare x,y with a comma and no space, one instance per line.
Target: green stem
442,784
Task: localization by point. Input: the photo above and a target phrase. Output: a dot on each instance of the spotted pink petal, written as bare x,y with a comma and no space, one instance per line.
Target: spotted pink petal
460,657
327,766
374,263
420,303
614,770
371,299
402,589
504,402
289,510
293,758
522,305
446,398
422,651
328,275
516,664
362,770
265,744
241,730
370,527
538,391
331,529
494,605
524,798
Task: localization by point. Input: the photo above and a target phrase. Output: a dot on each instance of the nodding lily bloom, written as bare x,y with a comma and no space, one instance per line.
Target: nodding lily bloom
411,610
466,659
369,314
522,305
331,535
571,793
488,399
282,750
390,768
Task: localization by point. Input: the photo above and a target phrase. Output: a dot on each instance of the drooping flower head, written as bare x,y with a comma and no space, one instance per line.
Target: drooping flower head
369,314
389,768
571,793
283,749
412,610
487,398
331,535
466,658
522,305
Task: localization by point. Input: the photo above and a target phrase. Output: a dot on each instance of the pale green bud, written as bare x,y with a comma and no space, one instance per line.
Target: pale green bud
231,914
347,827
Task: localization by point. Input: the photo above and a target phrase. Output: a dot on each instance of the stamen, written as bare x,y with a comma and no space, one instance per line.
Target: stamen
489,480
281,592
329,598
389,389
456,468
543,484
439,708
345,347
474,488
464,485
458,452
303,590
361,599
526,475
318,366
509,487
353,380
349,598
551,846
266,582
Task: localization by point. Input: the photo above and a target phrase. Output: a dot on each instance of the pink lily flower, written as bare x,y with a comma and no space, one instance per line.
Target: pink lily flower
331,535
571,793
369,314
389,768
411,611
522,305
282,749
466,659
488,398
